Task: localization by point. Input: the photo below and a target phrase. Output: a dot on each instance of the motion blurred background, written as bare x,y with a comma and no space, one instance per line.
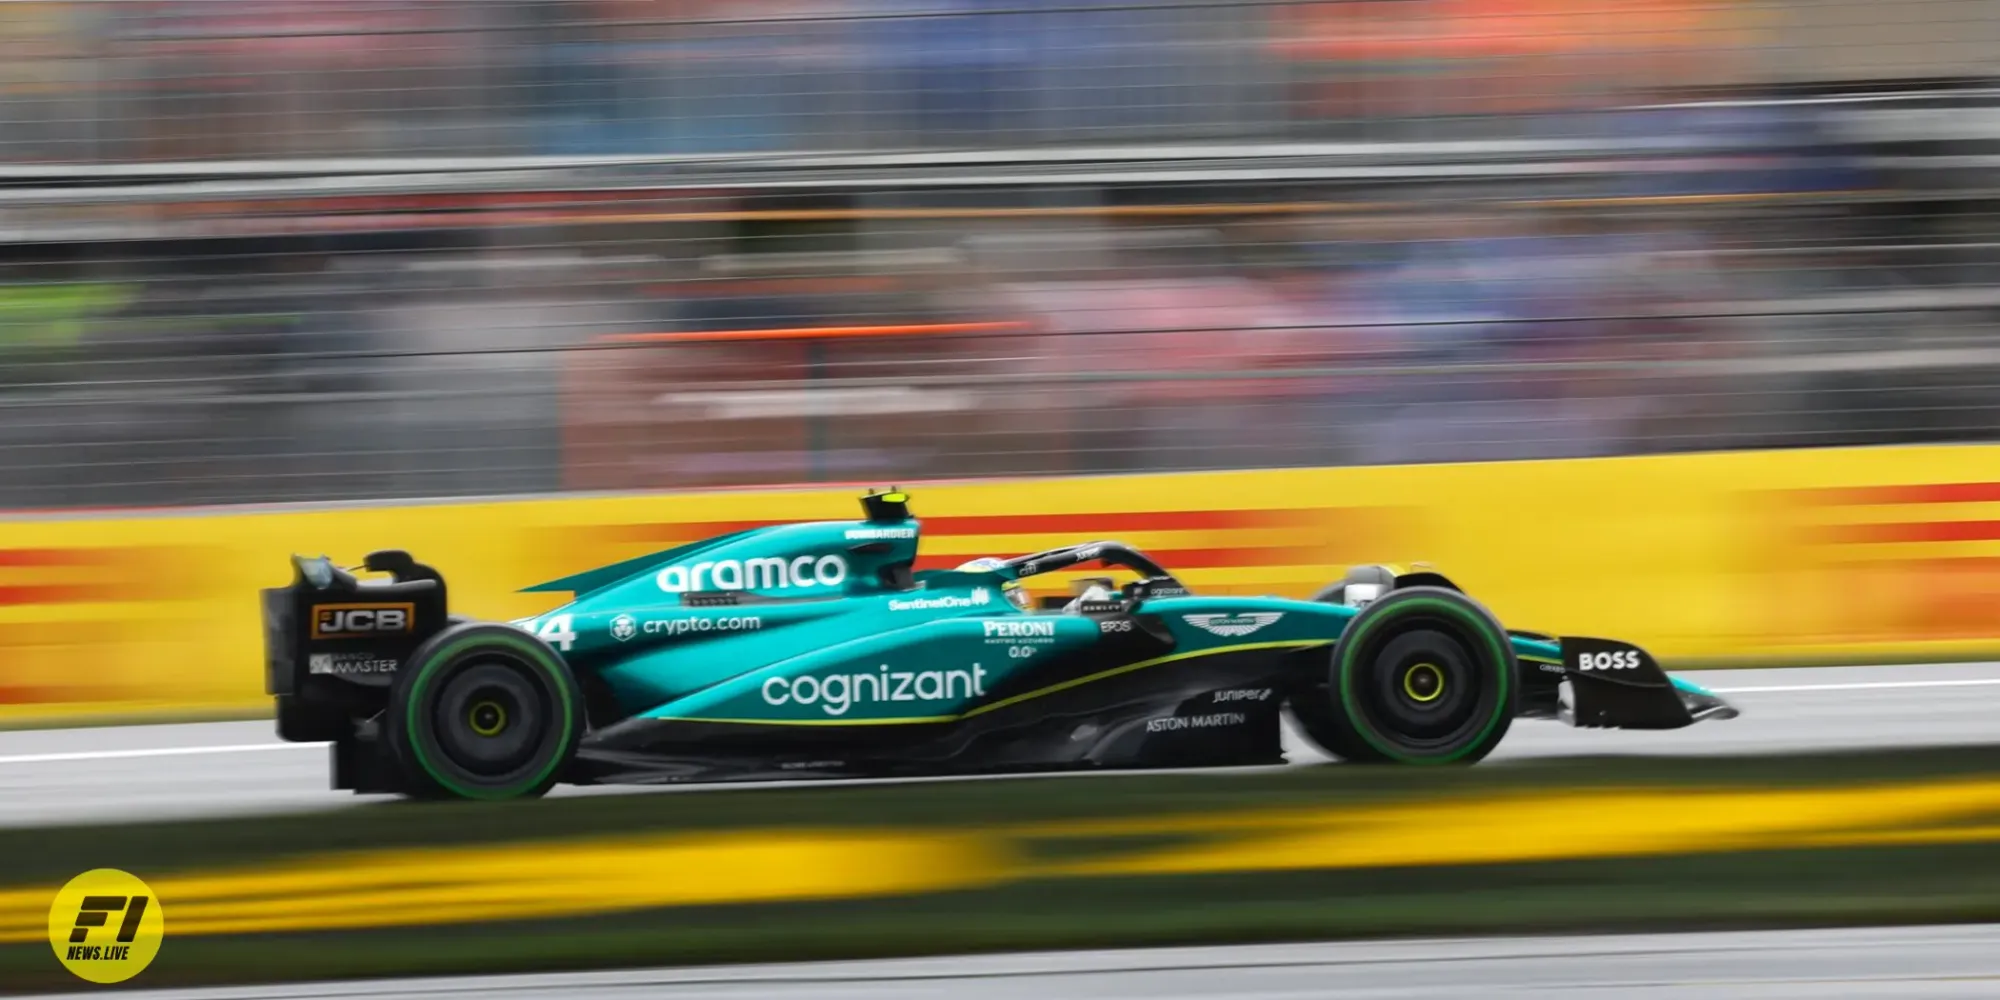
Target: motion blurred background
275,251
261,252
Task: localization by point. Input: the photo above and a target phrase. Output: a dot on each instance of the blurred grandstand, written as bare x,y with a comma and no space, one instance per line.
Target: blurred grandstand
277,251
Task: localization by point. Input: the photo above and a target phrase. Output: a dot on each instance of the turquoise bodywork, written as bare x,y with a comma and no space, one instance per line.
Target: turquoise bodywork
828,633
829,627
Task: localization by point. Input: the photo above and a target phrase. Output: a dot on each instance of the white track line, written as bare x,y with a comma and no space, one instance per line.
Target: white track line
53,758
82,755
1861,686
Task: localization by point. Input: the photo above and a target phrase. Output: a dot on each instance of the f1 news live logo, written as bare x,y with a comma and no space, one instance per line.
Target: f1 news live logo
106,925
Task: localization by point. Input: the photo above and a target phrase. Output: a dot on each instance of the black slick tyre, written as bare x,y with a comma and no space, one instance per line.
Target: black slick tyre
1423,675
1317,713
483,711
1316,710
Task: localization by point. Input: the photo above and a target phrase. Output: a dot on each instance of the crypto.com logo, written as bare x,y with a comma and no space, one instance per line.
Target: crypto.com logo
106,925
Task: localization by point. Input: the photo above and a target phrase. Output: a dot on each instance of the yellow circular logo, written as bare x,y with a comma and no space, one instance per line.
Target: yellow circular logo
106,925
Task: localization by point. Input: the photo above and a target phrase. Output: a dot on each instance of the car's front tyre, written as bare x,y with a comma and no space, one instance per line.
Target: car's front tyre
483,711
1422,675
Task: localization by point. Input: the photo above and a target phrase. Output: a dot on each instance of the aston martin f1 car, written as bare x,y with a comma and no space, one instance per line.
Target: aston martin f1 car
816,650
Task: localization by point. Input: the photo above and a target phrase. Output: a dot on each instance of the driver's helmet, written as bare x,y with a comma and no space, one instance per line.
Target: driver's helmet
1011,589
1094,592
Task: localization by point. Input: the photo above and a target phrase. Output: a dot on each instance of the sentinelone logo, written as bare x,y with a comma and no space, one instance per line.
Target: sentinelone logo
836,693
980,597
768,573
106,925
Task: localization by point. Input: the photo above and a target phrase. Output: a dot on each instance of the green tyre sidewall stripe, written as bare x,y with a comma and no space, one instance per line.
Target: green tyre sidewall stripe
535,655
1351,642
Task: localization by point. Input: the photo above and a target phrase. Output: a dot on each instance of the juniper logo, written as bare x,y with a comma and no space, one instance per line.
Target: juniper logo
106,925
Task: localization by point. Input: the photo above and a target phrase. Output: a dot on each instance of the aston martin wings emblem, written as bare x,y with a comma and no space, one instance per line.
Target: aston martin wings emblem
1233,625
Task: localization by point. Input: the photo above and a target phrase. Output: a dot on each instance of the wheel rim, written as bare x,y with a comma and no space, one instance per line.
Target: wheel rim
490,718
487,718
1415,682
1422,688
1424,683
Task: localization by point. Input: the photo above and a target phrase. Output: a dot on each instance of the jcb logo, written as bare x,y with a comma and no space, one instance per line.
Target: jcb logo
354,621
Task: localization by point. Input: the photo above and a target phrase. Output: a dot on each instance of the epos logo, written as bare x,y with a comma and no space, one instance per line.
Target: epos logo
1624,659
768,573
355,621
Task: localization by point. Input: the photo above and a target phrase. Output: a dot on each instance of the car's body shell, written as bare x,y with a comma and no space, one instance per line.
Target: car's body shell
815,648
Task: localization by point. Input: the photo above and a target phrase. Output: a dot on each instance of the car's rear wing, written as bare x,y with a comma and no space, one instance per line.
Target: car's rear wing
330,627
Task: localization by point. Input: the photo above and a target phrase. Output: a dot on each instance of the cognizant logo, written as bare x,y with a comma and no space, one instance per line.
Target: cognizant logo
768,573
836,693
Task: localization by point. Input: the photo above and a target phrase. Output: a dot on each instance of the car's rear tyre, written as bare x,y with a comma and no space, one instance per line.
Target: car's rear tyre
483,711
1423,675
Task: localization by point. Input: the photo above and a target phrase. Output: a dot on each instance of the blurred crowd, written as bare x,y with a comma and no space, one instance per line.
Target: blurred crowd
176,80
1498,229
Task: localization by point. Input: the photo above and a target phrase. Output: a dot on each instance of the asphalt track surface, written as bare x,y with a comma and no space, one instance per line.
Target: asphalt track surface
149,773
1903,963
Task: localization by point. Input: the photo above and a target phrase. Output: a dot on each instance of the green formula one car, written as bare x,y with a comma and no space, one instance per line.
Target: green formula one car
815,650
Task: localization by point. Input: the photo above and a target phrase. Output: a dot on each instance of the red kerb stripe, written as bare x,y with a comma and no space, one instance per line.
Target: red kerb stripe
1095,525
1112,521
60,557
1909,493
58,593
1916,531
1170,559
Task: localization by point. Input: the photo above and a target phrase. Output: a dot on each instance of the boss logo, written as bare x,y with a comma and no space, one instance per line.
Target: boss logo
355,621
1624,659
